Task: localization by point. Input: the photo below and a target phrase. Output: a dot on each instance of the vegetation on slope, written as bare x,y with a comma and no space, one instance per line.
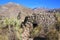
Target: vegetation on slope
10,29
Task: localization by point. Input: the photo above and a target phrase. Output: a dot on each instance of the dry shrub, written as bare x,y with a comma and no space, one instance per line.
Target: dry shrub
52,35
36,31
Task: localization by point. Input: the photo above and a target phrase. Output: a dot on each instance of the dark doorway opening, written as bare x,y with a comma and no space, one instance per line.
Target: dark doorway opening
39,38
35,25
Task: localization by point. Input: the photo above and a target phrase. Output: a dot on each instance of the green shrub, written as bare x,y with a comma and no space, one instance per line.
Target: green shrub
11,24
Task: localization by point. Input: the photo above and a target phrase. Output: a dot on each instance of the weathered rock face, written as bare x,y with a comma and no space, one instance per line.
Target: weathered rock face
46,20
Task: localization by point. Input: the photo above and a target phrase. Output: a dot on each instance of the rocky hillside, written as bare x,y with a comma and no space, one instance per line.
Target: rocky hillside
13,10
21,23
